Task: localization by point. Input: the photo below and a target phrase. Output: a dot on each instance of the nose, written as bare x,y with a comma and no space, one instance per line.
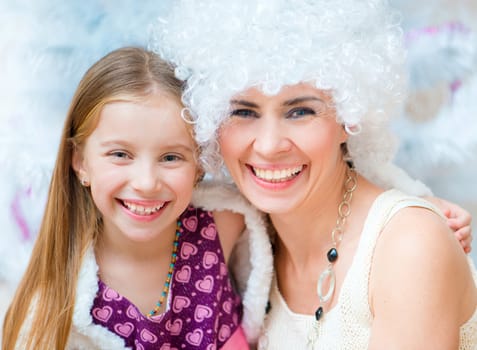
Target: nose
271,137
145,177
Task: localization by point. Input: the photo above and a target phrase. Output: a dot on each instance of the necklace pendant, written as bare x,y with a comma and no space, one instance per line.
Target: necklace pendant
330,275
313,336
318,313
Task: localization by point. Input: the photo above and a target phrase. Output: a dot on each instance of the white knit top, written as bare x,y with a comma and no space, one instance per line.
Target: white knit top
347,325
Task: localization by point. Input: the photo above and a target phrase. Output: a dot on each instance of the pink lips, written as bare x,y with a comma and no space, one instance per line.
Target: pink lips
269,185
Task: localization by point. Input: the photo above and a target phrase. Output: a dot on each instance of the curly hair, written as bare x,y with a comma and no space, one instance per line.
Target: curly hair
353,48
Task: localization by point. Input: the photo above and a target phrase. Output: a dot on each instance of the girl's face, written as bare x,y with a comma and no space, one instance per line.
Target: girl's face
141,164
282,149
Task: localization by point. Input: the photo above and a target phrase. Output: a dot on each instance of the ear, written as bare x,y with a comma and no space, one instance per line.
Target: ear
199,176
77,162
343,135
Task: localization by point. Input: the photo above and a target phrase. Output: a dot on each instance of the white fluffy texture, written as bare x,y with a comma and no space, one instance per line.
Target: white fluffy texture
85,334
46,46
252,260
351,47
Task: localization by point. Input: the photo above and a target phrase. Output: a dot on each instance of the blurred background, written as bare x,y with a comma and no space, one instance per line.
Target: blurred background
47,45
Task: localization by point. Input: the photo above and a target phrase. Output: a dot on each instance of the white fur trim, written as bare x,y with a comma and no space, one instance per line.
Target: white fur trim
85,334
254,265
389,175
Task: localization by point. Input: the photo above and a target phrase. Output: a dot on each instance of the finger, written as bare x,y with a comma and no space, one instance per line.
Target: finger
447,213
465,237
460,221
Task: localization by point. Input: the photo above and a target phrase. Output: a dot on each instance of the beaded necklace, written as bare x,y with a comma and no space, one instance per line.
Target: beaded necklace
167,284
344,210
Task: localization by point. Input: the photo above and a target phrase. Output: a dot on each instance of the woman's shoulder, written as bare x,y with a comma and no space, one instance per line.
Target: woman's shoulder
419,267
415,229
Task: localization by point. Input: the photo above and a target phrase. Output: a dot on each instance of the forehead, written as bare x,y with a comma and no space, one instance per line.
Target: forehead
287,92
153,118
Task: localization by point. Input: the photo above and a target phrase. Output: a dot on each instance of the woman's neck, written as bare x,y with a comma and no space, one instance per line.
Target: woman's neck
305,233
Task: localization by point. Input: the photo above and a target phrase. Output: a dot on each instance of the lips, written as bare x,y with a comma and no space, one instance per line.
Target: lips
277,175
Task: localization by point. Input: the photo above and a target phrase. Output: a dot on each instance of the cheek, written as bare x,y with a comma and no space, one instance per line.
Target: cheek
182,178
321,142
231,140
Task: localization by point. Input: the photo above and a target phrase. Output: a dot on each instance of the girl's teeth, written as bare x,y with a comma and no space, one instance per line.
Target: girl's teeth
141,210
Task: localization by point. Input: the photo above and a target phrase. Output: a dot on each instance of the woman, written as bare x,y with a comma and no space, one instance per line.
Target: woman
296,96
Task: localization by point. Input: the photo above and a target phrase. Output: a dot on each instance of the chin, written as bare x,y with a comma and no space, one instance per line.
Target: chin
272,206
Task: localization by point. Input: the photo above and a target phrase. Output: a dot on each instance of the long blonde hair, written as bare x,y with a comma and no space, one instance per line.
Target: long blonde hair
71,221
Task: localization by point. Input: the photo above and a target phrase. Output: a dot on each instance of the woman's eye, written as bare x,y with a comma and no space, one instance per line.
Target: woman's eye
300,112
243,113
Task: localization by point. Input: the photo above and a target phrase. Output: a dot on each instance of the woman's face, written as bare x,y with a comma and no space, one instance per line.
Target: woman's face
282,149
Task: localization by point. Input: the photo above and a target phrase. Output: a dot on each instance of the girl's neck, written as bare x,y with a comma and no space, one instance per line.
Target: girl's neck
117,247
136,270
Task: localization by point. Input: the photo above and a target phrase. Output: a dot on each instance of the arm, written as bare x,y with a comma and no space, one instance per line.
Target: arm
229,225
458,219
421,288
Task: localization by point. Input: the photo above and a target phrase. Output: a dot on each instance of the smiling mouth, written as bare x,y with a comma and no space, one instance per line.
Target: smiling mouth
142,209
277,175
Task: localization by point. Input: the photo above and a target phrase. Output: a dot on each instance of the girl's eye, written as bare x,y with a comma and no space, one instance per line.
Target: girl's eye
300,112
119,154
171,158
243,113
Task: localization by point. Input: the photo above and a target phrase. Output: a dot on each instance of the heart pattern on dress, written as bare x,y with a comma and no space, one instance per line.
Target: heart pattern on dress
187,250
103,314
200,302
195,337
202,312
206,284
209,232
209,260
125,329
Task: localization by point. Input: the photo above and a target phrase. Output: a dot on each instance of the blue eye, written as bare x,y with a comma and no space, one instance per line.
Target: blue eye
243,113
171,158
300,112
119,154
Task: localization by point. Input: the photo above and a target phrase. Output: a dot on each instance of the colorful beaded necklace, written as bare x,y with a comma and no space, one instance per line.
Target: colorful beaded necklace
169,273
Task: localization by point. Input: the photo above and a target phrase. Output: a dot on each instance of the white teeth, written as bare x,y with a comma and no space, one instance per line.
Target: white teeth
277,175
142,210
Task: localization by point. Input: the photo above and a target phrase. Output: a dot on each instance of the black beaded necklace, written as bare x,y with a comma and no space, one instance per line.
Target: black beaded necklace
344,210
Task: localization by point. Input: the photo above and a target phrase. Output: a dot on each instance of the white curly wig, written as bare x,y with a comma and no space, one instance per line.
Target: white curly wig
351,47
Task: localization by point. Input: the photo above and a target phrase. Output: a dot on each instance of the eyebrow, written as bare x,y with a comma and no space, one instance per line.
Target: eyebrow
168,146
298,100
290,102
244,103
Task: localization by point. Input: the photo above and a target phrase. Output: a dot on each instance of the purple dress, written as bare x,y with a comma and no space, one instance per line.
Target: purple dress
204,310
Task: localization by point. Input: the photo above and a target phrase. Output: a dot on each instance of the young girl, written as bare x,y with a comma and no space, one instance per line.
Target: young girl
122,259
